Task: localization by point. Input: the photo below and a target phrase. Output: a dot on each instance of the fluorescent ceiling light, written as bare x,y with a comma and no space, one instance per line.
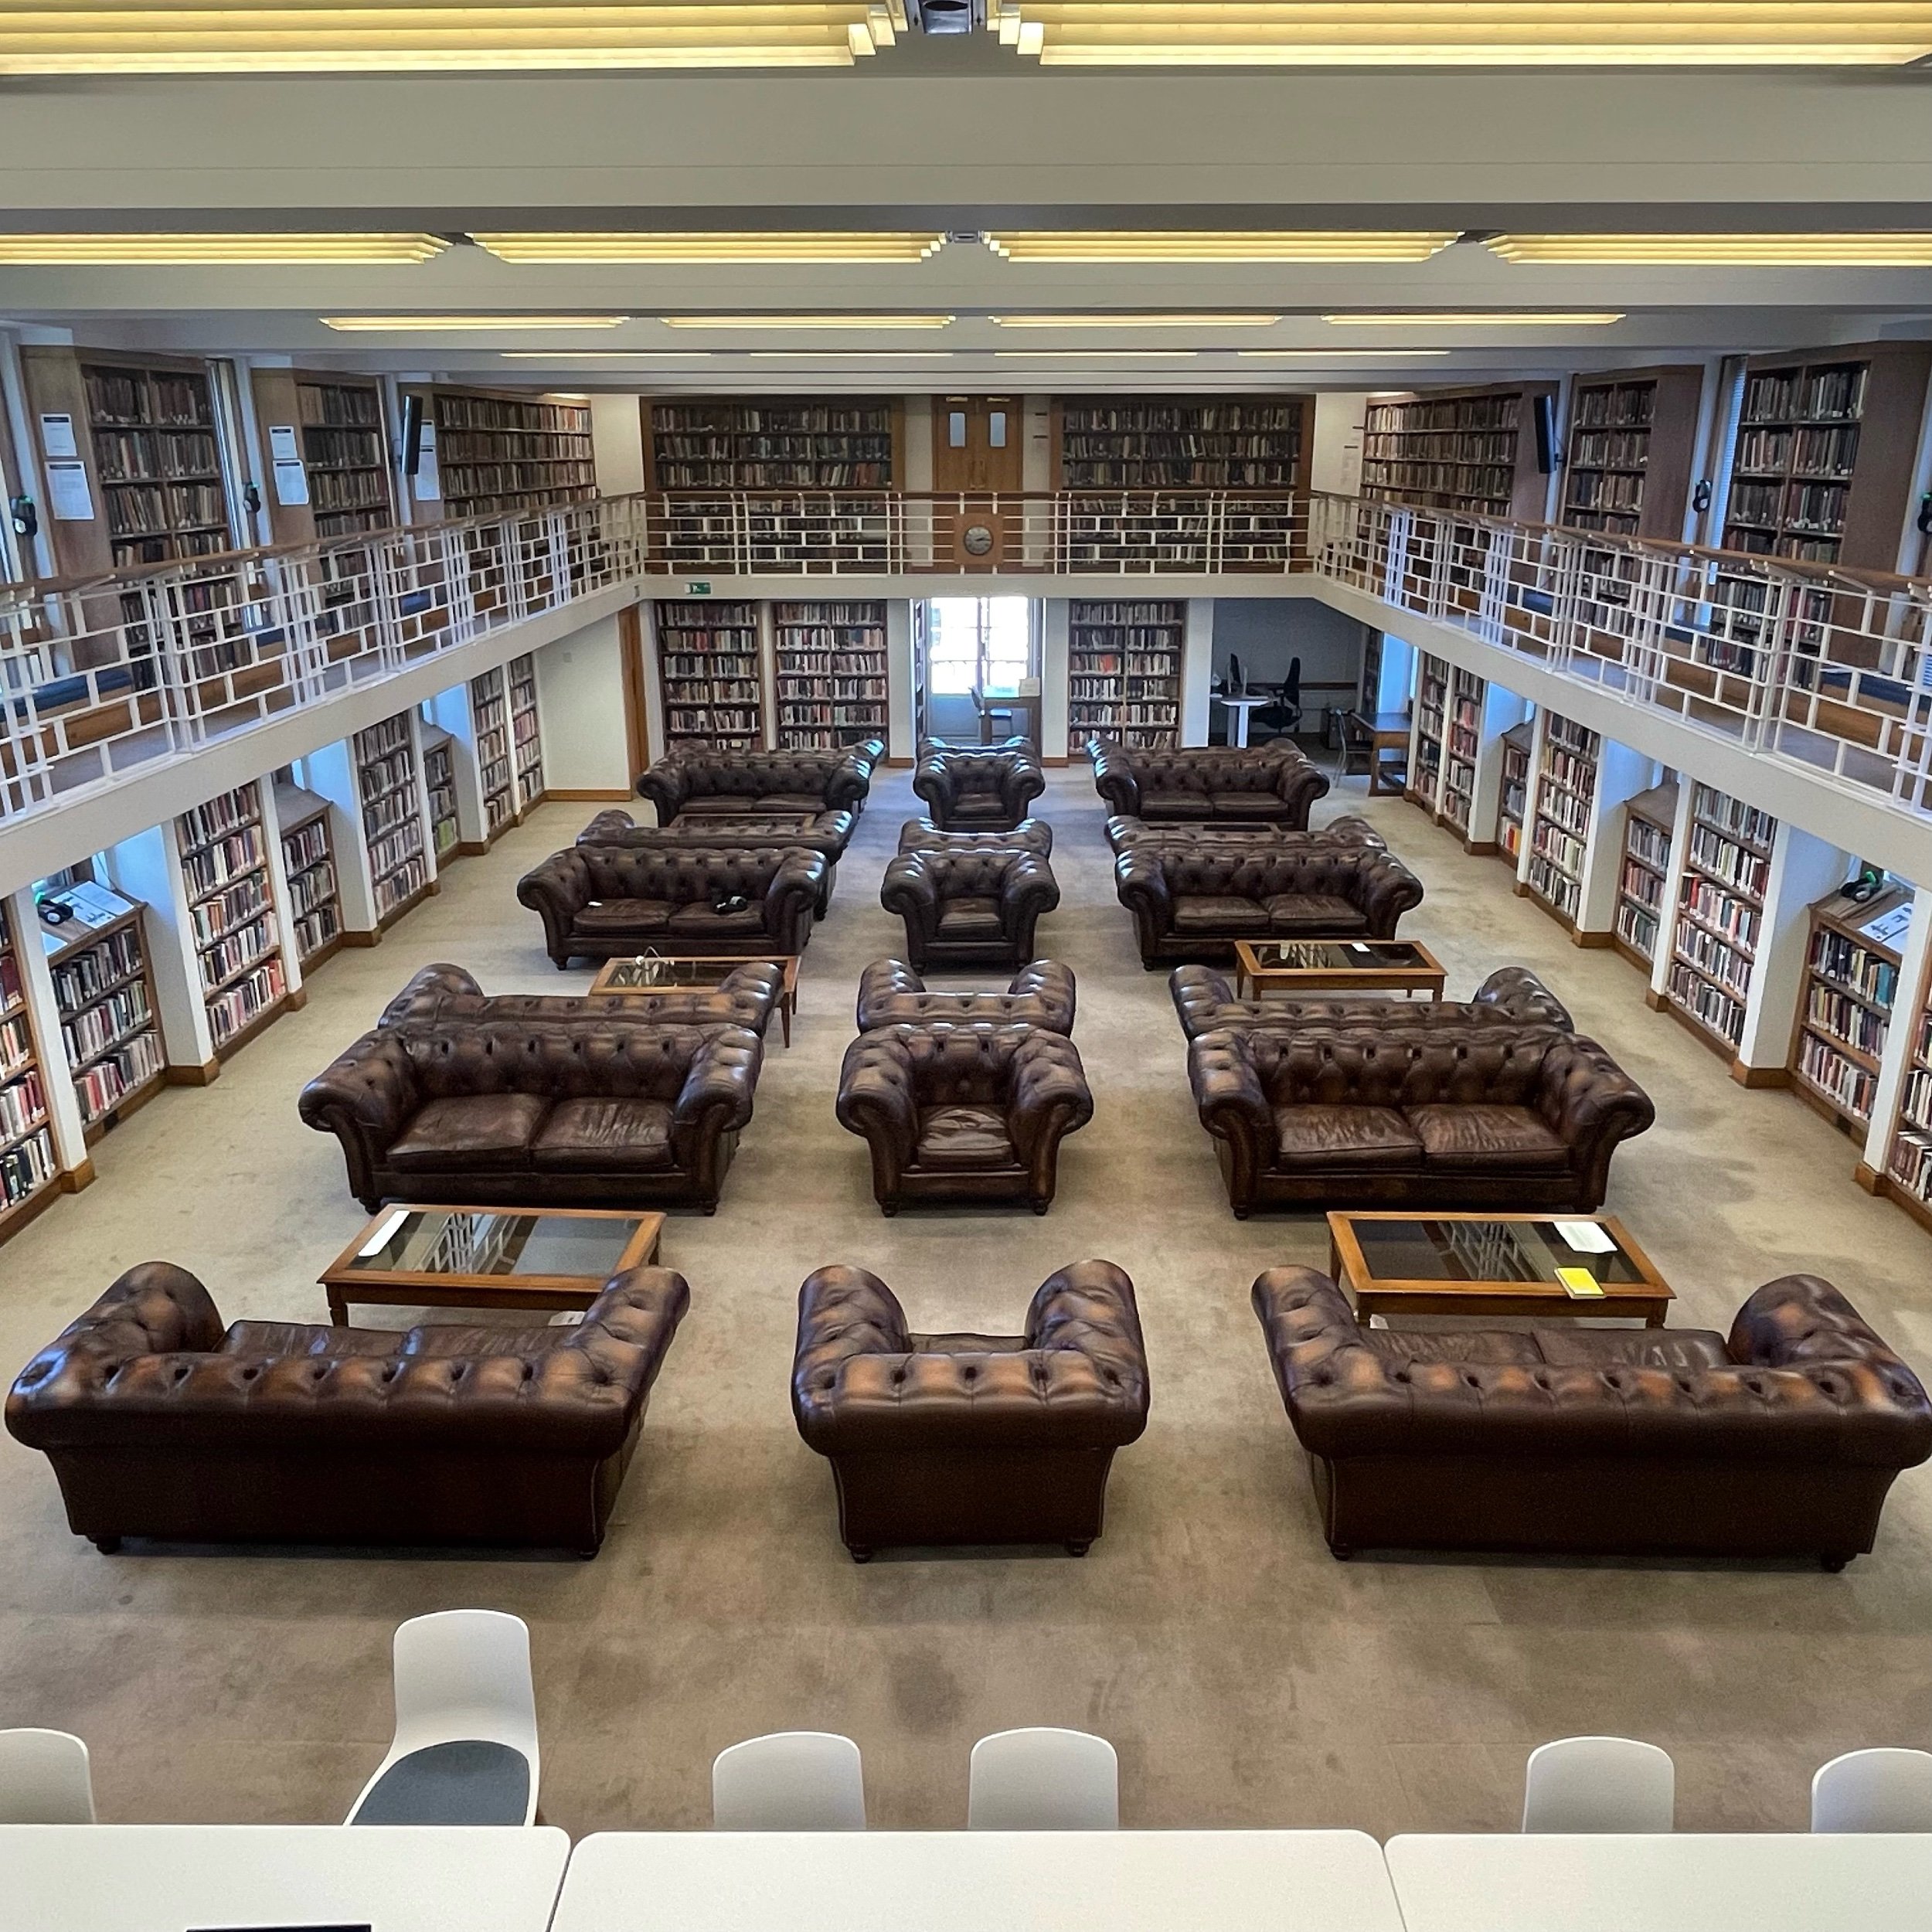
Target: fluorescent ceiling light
149,251
760,246
1116,319
805,321
400,324
429,36
847,354
1900,249
1215,245
1510,33
1096,355
604,354
1479,318
1335,355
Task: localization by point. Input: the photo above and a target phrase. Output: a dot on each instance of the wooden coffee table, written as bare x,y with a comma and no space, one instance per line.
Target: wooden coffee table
1493,1264
411,1256
1301,967
655,973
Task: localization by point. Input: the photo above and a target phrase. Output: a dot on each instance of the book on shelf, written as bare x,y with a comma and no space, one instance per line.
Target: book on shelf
105,999
1844,1015
1181,443
1720,911
28,1161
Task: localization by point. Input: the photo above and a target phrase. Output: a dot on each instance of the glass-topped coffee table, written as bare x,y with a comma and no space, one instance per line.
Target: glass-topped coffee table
658,972
1305,966
411,1257
1494,1264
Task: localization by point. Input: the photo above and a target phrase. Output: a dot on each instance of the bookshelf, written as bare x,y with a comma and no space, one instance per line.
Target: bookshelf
104,991
1182,442
489,707
1468,694
223,846
832,675
28,1165
1719,916
1566,797
1472,450
498,452
345,454
439,782
526,732
1123,673
774,443
1513,796
386,779
1432,711
308,861
1633,438
1649,820
152,431
709,661
1852,959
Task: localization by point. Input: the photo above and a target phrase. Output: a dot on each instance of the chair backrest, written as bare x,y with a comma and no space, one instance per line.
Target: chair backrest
1291,684
1043,1779
1237,679
1874,1790
1599,1784
465,1674
44,1779
789,1781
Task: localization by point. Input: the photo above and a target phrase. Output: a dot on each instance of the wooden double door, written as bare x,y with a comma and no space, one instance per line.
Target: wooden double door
978,460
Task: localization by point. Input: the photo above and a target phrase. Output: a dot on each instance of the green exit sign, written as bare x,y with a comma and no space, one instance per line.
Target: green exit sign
697,590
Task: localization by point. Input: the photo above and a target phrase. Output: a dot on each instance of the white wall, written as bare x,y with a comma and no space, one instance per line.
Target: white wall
617,444
1334,463
1264,632
580,689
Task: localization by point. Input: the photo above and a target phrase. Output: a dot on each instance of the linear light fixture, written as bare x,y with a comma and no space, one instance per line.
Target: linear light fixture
429,36
751,246
1217,245
411,324
137,251
1096,355
1116,319
849,355
805,321
1335,355
602,354
1477,318
1903,248
1480,33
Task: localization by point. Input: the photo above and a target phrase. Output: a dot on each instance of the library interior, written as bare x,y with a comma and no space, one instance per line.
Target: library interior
930,921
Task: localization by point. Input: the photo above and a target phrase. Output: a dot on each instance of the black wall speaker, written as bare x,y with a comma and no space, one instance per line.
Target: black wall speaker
1545,415
412,434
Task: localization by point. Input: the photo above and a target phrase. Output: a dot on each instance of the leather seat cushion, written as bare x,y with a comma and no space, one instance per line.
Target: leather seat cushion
1484,1136
969,918
811,801
288,1339
965,1342
596,1133
1313,913
698,921
1675,1349
962,1140
440,1341
624,915
1346,1137
980,805
491,1131
1176,804
1207,913
1249,804
1494,1347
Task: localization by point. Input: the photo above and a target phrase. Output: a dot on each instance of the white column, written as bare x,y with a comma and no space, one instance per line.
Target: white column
1532,785
1055,613
653,678
768,670
43,1014
1803,869
451,711
149,867
580,711
1197,669
1501,711
1907,1003
1680,832
1622,774
415,717
617,445
278,888
902,730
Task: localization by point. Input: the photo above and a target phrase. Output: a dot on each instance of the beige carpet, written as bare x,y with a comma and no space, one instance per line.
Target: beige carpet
1246,1678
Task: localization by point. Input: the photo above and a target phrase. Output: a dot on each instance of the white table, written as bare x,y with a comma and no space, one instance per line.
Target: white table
169,1877
1238,711
1685,1882
978,1882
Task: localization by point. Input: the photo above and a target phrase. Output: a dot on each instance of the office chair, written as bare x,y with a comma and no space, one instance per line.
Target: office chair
1237,680
1283,714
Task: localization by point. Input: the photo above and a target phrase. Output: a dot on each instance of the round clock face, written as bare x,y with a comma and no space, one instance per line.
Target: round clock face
978,540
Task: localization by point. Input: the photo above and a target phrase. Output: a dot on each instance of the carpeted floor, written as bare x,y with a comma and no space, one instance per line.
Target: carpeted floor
1246,1678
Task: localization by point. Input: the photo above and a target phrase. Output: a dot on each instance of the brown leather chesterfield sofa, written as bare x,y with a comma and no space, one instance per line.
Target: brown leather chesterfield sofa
1040,994
699,781
963,1111
1267,785
969,908
746,996
1781,1440
539,1113
1194,903
970,1438
986,790
611,901
160,1423
1455,1116
827,832
1347,830
1030,834
1512,995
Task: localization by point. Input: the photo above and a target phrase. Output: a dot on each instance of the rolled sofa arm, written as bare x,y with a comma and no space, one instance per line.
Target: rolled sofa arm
884,979
556,891
608,827
720,1086
910,888
1140,883
668,786
792,897
1114,779
1228,1093
1517,991
1592,1105
875,1102
842,1312
1199,993
849,781
1298,782
365,1098
1389,889
427,988
1050,1098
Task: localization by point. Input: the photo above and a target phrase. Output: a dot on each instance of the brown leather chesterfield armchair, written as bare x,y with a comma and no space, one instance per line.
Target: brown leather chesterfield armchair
1781,1440
963,1111
1041,993
1455,1116
969,908
610,902
977,790
1193,904
1347,830
159,1422
746,996
536,1114
826,832
700,782
970,1438
1272,785
1030,834
1512,995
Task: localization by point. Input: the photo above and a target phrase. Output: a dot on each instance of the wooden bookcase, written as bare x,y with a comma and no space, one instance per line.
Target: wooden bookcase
28,1165
1633,438
832,675
1566,797
224,846
526,732
1845,1014
1182,442
1123,673
1432,711
1468,694
1512,798
1649,820
1719,916
308,860
774,443
710,661
1474,451
439,781
104,990
386,781
489,707
346,455
496,451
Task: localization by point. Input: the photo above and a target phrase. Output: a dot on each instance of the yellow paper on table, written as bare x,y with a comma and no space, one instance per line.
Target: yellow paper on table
1580,1284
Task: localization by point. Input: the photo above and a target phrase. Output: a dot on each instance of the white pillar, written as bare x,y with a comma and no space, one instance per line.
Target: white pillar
1197,669
43,1016
902,729
330,773
1900,1037
1622,774
1054,614
1803,869
148,867
1501,711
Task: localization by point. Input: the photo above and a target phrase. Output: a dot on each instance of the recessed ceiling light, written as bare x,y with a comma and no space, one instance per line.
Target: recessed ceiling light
1479,318
805,321
1214,245
400,324
817,246
1900,249
159,250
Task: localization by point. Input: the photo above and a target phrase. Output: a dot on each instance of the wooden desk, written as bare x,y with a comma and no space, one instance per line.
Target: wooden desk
1239,710
1388,731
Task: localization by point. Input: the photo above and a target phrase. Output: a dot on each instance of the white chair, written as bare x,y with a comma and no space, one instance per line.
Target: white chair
465,1747
1599,1784
1877,1790
789,1781
1042,1780
44,1779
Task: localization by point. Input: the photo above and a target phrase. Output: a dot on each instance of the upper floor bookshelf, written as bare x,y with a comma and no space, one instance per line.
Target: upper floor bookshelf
1632,440
496,451
1473,451
346,453
1182,442
775,443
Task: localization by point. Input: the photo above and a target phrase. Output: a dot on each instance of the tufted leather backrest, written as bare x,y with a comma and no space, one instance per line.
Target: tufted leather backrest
745,997
970,873
829,832
1364,1065
961,1063
1511,996
1123,830
683,874
1041,993
1340,871
455,1061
